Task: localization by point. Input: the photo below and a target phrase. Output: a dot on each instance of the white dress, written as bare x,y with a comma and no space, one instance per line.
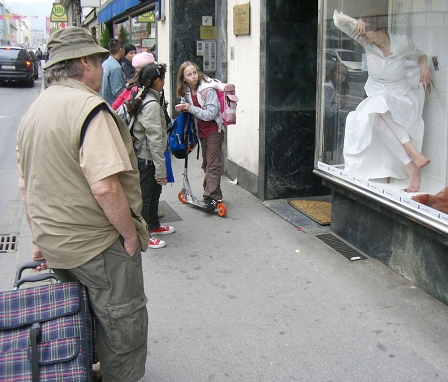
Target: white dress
388,88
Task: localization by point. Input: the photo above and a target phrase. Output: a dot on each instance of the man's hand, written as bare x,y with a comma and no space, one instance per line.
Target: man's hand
131,245
37,255
109,194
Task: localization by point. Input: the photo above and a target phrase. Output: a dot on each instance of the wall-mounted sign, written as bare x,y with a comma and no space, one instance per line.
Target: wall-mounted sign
207,21
208,33
148,42
90,3
58,14
241,19
159,9
147,17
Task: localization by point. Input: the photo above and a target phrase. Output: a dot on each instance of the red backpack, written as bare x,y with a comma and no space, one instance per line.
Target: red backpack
227,99
124,96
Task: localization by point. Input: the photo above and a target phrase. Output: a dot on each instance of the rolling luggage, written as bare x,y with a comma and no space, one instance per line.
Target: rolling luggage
45,331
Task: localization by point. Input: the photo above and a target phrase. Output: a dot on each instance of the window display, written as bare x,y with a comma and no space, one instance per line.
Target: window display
383,110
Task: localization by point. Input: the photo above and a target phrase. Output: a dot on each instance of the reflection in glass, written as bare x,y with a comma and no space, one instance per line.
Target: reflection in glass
336,87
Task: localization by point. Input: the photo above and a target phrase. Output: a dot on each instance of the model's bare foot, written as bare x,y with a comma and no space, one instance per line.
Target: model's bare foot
414,177
420,160
417,157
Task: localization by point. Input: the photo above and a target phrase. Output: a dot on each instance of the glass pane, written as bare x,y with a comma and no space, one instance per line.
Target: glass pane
383,110
144,36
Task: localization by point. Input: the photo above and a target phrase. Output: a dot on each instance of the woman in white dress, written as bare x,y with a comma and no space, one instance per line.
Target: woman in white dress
385,132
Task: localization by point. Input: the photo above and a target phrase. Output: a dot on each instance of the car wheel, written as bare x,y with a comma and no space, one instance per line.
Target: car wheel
30,83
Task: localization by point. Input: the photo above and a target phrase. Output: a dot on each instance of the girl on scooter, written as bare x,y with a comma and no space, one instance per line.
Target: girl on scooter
200,99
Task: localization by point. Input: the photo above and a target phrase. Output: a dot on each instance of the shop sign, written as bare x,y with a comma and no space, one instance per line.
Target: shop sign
90,3
147,17
58,14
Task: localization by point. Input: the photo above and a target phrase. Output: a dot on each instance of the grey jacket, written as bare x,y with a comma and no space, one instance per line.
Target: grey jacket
151,122
210,109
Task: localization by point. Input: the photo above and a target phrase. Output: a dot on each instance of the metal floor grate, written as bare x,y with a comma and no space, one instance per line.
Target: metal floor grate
169,215
341,247
8,243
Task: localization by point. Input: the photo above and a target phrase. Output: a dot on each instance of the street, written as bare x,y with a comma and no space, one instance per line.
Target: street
249,297
15,101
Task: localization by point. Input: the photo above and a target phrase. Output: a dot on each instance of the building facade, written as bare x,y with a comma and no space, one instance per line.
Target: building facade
278,54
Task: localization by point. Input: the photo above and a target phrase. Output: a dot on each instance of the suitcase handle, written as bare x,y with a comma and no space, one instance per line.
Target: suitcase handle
33,278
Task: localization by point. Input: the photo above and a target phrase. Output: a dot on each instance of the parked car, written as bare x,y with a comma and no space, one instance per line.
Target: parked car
36,64
351,59
16,65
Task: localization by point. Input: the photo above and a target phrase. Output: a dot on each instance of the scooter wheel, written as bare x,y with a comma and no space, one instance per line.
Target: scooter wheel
181,197
221,209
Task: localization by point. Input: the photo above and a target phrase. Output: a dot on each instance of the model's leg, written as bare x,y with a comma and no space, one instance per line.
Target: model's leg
391,140
400,132
414,177
398,148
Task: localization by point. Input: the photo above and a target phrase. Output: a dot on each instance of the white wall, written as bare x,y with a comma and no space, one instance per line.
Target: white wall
163,48
244,72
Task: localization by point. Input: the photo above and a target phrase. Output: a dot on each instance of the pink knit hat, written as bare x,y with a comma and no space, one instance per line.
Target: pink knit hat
142,59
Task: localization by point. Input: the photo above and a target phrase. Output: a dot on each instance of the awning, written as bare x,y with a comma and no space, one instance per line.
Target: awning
115,8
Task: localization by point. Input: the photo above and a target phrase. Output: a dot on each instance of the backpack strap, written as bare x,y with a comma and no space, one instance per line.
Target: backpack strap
92,114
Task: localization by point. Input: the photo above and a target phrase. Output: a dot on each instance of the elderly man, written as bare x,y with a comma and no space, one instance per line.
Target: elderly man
114,80
81,192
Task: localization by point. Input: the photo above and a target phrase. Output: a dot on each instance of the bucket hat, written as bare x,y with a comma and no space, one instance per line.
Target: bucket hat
69,43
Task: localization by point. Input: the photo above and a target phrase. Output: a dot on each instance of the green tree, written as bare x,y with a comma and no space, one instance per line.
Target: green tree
123,35
105,37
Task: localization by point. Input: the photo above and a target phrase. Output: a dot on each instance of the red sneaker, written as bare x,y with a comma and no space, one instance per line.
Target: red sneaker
156,243
162,230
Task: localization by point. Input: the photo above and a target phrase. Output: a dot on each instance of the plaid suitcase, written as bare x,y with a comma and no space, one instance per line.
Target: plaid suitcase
45,332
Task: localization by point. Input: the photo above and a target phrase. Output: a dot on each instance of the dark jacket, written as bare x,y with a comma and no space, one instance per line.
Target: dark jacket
128,69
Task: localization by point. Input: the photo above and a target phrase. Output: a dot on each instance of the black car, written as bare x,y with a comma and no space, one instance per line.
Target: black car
36,64
16,65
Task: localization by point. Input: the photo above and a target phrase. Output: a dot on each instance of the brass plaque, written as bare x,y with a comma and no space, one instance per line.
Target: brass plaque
208,33
241,19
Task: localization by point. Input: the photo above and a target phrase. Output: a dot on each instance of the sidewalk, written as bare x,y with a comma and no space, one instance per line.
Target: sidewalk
249,297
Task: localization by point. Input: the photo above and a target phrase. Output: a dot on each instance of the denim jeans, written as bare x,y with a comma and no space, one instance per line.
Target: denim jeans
151,191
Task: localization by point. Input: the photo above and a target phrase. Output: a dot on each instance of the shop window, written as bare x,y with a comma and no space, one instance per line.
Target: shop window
144,36
382,113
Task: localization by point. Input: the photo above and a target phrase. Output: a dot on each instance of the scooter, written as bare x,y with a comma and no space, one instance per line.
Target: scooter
187,196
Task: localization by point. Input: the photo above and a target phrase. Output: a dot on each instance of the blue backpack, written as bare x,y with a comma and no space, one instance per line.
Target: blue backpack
182,137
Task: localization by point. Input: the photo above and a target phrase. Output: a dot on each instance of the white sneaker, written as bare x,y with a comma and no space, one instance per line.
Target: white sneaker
156,243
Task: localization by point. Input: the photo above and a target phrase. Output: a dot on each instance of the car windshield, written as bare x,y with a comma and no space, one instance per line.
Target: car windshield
12,54
350,56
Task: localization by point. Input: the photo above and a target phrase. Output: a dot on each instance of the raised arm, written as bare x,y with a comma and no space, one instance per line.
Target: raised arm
354,28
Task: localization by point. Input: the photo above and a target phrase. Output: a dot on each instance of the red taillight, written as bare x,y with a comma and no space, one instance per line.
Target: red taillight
28,65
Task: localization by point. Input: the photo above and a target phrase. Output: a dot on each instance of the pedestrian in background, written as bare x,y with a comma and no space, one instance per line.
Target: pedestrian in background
151,131
200,99
89,226
129,52
114,80
138,61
